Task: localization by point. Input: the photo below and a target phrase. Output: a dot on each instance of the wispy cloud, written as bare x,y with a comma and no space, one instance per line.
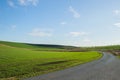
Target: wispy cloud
86,40
28,2
63,23
77,34
74,12
40,33
22,2
11,3
117,25
116,12
13,27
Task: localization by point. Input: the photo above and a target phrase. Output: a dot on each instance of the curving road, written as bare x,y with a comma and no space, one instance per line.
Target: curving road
107,68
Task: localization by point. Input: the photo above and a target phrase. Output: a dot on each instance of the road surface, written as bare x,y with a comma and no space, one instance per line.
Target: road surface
107,68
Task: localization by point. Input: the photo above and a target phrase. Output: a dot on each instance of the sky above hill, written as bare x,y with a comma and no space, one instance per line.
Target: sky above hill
68,22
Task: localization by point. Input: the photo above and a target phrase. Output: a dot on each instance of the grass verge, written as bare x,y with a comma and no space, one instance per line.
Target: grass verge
16,63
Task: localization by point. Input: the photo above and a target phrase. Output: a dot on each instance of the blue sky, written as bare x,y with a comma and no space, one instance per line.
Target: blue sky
66,22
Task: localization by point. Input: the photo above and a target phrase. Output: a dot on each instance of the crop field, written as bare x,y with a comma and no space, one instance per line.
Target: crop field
21,62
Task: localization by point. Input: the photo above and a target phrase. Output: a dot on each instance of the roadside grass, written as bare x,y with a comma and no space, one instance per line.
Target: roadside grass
16,63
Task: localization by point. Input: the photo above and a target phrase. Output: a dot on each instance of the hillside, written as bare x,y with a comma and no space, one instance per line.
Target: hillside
19,60
42,47
115,49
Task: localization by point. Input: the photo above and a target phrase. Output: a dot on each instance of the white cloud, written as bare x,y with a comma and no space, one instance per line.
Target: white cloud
28,2
116,12
117,25
22,2
63,23
86,40
13,27
40,33
74,12
34,2
77,34
11,3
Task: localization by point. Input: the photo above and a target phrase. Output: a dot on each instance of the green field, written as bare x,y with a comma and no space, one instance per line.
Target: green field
19,60
114,49
35,47
103,48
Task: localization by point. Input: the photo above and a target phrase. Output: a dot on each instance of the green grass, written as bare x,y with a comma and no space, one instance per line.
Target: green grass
37,47
114,49
103,48
16,62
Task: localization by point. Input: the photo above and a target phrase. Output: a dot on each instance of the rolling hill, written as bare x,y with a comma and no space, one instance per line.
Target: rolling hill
20,60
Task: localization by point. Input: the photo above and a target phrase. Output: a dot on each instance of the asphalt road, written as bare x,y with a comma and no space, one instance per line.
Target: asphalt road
107,68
